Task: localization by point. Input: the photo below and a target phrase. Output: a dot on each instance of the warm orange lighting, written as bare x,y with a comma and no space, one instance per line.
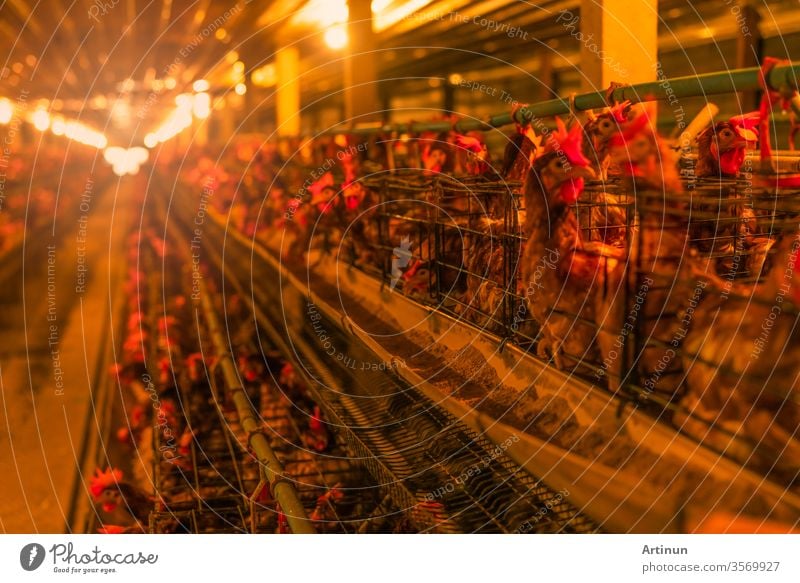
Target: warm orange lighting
125,161
322,13
201,106
6,111
41,120
265,76
59,126
336,36
387,13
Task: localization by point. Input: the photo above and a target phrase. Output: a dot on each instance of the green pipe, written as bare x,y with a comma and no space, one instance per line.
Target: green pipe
284,491
781,76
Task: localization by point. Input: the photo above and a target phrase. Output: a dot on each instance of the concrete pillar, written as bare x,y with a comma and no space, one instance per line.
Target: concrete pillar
749,46
287,67
618,42
546,88
361,97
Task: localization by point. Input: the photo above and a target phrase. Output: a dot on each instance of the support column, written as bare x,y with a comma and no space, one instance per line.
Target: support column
287,67
361,97
546,88
748,46
618,42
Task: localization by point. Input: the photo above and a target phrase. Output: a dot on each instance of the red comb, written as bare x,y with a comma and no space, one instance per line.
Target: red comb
570,142
469,143
638,124
619,111
319,185
746,120
102,480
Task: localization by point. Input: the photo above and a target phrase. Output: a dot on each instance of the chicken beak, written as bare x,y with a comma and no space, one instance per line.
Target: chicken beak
585,172
745,137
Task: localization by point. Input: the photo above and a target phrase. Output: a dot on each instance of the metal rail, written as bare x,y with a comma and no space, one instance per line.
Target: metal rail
284,491
778,78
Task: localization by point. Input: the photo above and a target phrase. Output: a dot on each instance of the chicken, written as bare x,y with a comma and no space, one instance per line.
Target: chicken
769,99
645,160
359,224
484,257
435,154
325,508
252,371
553,252
120,499
721,153
659,274
317,438
600,128
520,153
742,359
484,263
478,161
755,244
721,148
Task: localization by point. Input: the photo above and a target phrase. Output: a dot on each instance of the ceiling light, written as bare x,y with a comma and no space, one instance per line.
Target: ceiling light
41,120
336,36
6,111
59,126
201,107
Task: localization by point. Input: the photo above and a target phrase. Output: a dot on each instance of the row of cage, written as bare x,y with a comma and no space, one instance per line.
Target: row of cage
458,245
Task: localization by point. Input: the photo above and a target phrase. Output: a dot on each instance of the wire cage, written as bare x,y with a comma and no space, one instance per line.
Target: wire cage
666,248
444,241
713,295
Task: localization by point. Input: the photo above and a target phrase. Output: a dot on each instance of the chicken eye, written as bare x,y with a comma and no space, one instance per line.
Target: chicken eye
726,133
605,125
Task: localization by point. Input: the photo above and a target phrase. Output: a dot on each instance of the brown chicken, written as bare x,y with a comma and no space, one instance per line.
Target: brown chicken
477,161
721,151
120,500
742,359
658,274
484,252
555,264
600,128
721,148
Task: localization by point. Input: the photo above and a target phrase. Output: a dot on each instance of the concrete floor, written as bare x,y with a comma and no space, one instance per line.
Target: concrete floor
47,418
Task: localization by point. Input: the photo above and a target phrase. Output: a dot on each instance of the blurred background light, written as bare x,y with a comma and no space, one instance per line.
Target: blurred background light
6,111
336,36
40,119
